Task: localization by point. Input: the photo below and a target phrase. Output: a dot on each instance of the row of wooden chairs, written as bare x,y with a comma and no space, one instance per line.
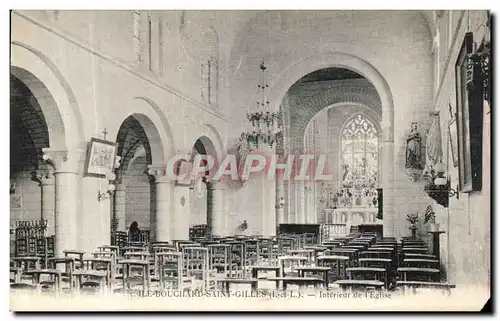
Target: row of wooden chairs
358,260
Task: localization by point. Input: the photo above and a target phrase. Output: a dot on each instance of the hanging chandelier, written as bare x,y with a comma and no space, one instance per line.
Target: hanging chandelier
266,127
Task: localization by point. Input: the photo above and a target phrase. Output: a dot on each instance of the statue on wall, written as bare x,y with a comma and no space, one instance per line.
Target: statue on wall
413,148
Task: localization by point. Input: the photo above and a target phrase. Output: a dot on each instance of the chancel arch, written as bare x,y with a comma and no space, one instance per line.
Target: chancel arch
329,87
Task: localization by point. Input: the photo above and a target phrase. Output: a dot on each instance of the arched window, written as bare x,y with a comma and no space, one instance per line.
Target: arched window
359,146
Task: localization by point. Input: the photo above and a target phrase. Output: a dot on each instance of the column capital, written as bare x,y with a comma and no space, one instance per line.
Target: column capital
44,177
63,160
158,174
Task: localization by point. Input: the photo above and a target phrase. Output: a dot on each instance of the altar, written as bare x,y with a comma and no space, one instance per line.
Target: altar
352,216
355,204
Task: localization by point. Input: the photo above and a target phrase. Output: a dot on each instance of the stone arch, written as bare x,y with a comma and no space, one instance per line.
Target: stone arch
321,60
155,126
211,139
53,93
339,95
295,71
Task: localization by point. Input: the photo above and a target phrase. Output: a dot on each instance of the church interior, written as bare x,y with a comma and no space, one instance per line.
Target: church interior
391,108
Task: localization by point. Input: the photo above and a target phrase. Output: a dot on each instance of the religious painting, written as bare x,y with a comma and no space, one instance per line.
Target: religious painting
101,158
469,119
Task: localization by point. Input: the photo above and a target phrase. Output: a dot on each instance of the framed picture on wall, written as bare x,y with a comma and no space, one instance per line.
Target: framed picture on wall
101,158
183,172
453,141
469,118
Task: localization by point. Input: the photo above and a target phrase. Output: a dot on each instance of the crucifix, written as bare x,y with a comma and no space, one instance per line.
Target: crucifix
104,132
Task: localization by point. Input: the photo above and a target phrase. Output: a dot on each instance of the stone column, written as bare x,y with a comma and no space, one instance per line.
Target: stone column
388,188
300,216
216,208
119,206
67,203
280,210
286,207
181,212
46,180
163,210
210,207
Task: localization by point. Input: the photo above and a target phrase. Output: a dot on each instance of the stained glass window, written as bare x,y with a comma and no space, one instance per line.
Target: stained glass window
359,143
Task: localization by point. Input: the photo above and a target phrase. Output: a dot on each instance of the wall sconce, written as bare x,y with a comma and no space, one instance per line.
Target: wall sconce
103,195
12,186
280,204
439,188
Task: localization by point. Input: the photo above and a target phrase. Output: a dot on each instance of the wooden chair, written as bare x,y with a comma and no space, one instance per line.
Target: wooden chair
383,263
314,271
418,274
285,244
418,250
17,274
104,267
350,285
27,262
176,243
421,263
129,280
69,264
266,252
53,275
288,263
126,249
301,282
309,254
220,259
109,255
337,264
375,253
318,250
77,255
82,277
169,267
226,283
196,267
351,253
238,256
419,256
404,286
368,273
252,252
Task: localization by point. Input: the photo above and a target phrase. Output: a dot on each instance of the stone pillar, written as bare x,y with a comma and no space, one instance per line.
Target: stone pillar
388,188
300,210
216,208
46,180
163,209
119,206
280,209
210,207
181,212
286,207
268,206
67,178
